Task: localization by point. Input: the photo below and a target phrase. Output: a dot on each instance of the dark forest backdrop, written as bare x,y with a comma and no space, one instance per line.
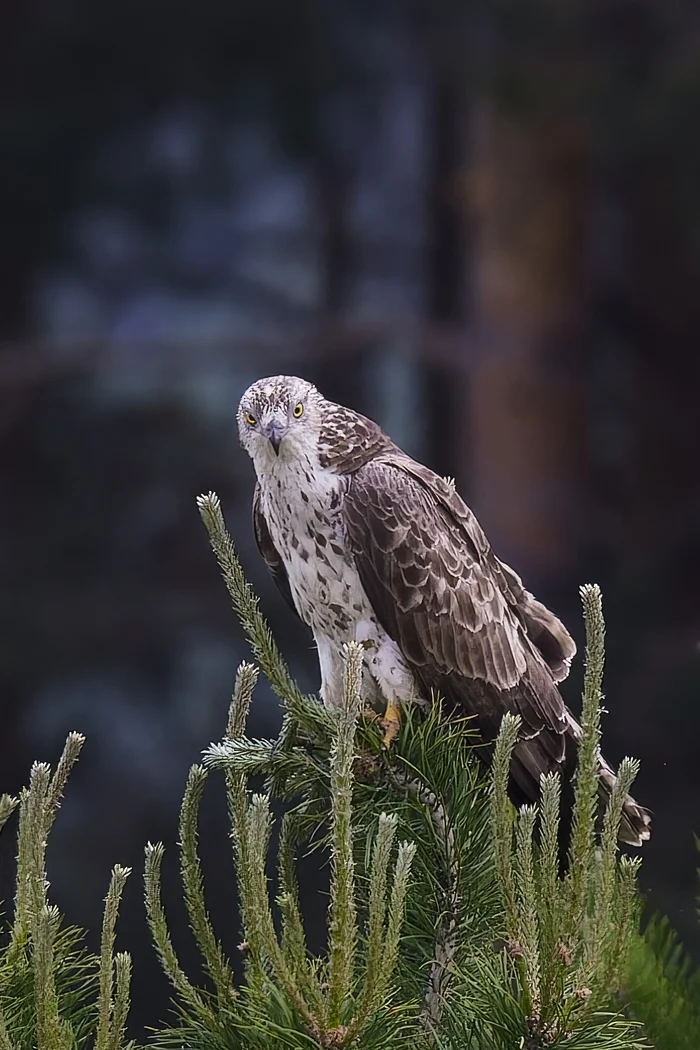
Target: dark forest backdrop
477,221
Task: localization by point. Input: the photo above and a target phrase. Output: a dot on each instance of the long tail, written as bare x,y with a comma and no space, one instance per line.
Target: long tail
549,635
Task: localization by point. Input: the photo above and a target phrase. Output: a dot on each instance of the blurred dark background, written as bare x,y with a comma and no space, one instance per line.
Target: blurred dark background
478,222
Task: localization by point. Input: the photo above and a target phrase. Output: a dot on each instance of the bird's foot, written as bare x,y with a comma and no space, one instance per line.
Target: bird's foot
391,724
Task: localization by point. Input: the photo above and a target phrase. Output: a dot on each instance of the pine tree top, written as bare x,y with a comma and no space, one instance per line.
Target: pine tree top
452,921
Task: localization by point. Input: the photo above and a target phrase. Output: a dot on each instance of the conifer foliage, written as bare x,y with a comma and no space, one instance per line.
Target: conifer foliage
451,921
54,995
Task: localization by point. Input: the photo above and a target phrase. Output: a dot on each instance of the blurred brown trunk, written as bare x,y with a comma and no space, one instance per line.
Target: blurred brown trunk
332,186
447,260
527,404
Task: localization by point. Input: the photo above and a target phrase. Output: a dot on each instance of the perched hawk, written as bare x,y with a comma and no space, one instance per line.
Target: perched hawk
367,544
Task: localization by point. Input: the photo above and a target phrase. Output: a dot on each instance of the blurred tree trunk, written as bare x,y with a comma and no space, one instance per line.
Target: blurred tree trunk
529,200
332,188
447,259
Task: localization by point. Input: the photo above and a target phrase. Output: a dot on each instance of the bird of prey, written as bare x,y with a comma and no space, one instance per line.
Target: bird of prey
367,544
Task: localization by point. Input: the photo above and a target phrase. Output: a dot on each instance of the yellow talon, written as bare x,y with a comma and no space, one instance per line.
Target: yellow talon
391,724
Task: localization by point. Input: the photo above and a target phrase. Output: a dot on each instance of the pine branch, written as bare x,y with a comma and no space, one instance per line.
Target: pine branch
246,680
109,1033
71,752
258,828
397,910
240,755
607,873
43,801
526,892
31,878
193,884
8,805
46,978
51,1032
38,807
159,926
342,915
615,961
549,889
503,815
241,699
295,954
376,925
122,999
586,787
290,836
294,945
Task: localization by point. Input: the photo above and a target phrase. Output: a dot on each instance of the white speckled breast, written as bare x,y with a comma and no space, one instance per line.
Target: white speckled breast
302,505
303,511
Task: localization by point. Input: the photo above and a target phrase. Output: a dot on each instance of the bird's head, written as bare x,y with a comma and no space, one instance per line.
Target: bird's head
279,418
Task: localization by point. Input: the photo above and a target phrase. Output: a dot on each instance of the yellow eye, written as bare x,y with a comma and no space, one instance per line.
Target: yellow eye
298,411
250,419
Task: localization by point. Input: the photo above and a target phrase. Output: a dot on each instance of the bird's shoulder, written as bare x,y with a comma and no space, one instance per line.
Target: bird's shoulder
349,441
428,571
412,530
402,489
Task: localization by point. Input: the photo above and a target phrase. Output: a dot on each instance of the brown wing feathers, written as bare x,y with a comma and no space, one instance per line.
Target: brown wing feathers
426,577
463,620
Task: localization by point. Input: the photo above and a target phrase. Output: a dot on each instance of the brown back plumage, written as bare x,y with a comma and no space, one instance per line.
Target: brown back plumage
463,620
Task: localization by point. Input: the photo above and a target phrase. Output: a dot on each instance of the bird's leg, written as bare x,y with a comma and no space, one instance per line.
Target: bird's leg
391,723
372,697
395,685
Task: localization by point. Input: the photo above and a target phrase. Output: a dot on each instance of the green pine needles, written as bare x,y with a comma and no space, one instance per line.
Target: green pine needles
568,936
289,998
53,994
451,922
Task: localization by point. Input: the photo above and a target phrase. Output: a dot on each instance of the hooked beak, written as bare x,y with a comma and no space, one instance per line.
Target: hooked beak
274,432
